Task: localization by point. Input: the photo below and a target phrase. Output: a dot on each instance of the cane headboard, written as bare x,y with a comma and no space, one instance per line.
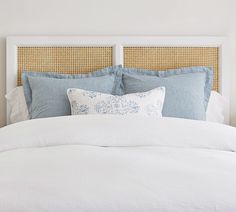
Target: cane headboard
67,60
75,60
164,58
83,54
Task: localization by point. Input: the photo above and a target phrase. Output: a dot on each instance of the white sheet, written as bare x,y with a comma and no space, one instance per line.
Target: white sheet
150,165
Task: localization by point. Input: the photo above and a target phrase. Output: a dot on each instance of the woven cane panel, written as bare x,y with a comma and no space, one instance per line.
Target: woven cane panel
67,60
163,58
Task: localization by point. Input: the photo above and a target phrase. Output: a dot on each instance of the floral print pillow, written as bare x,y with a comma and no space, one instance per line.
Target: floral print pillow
148,103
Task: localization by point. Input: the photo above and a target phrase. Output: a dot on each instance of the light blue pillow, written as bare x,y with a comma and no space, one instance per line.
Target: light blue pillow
187,89
49,95
98,73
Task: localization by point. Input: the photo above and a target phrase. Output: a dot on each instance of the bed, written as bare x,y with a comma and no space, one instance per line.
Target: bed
111,162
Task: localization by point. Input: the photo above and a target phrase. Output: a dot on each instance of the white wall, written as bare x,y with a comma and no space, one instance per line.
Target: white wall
120,17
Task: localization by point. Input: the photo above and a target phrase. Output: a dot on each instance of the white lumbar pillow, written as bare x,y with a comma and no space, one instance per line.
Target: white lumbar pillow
148,103
17,105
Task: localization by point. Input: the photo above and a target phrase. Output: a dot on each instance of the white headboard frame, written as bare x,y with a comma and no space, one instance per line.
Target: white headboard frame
118,42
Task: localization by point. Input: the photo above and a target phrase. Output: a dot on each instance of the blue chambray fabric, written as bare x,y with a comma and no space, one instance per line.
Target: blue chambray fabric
49,99
187,89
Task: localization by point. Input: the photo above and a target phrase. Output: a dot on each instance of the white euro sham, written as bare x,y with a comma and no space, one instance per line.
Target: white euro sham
216,109
18,110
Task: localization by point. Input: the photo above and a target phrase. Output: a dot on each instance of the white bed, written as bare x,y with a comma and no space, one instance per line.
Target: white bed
117,163
171,165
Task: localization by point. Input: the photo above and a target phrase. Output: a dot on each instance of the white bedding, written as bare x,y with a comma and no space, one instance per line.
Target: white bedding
147,165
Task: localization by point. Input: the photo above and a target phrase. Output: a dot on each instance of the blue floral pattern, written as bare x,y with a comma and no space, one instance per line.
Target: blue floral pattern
79,109
90,102
141,95
117,105
91,94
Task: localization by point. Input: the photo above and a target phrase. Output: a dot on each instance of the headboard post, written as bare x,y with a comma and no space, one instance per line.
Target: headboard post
118,54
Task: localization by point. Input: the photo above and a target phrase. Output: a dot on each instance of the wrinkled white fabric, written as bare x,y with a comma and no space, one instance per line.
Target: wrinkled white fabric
149,165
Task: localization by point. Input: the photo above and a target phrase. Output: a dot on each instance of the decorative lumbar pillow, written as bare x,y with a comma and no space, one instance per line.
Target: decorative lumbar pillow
187,89
88,102
49,95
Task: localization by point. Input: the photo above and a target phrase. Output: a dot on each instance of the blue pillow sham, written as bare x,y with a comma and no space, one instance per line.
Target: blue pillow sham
45,92
187,89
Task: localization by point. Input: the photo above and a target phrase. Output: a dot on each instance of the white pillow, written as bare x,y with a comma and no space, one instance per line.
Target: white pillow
17,105
216,108
90,102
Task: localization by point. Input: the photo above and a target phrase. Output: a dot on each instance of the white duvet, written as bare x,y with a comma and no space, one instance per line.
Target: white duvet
117,163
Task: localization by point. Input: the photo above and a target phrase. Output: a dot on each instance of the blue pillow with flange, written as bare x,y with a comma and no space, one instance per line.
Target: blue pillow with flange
45,92
187,89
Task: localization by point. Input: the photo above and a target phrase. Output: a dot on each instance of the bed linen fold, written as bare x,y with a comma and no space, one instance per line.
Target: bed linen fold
113,130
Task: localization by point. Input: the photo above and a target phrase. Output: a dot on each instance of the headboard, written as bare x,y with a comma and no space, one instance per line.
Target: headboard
83,54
